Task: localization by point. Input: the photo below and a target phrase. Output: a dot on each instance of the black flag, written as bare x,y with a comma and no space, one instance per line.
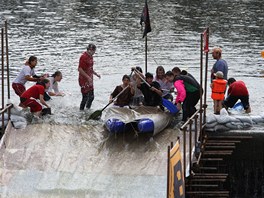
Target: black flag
145,19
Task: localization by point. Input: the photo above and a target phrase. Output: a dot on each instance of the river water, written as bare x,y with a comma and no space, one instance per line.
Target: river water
58,31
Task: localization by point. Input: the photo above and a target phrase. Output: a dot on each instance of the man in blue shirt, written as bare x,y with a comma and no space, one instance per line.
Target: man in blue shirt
220,64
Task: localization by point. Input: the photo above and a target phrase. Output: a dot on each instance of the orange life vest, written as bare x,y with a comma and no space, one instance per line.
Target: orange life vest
218,89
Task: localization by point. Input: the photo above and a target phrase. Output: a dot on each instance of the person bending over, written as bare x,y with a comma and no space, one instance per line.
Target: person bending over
54,87
36,92
237,91
26,74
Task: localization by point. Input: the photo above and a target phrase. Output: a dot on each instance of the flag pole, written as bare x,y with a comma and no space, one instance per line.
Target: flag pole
145,19
146,54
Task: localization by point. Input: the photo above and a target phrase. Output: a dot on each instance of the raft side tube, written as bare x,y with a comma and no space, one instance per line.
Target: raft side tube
114,125
145,125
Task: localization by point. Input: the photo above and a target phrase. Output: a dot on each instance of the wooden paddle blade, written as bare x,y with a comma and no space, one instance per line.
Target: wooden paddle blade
95,115
170,106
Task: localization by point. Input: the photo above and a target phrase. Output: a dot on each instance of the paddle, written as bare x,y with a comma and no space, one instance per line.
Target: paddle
98,113
171,107
238,106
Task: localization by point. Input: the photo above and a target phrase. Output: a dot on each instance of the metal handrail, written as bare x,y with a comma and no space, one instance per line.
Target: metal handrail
4,54
8,106
2,111
197,135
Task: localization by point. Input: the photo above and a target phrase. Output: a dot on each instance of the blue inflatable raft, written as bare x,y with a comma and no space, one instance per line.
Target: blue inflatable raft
141,119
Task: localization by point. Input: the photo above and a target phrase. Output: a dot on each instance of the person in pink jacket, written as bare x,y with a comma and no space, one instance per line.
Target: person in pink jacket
181,93
179,85
188,93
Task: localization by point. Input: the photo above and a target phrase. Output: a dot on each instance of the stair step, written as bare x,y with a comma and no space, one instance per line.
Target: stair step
228,137
212,159
219,147
202,186
208,180
207,168
220,144
210,174
223,152
209,193
222,141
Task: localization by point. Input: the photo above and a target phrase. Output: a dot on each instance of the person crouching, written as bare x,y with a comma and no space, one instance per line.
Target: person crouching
30,96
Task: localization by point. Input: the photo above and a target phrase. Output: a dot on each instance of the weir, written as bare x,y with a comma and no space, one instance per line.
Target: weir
228,164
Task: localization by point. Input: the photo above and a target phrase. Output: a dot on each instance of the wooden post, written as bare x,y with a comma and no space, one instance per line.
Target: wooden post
168,172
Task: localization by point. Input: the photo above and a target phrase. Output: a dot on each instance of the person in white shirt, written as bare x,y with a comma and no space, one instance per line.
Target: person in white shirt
54,88
26,74
138,98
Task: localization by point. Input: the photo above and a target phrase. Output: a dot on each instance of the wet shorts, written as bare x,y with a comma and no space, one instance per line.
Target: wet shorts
33,104
18,88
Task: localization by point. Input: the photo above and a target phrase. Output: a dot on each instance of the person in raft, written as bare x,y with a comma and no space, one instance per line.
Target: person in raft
152,94
166,86
138,98
237,91
30,96
128,92
218,87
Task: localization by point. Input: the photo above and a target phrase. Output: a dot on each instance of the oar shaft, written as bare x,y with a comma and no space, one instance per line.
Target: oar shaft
142,78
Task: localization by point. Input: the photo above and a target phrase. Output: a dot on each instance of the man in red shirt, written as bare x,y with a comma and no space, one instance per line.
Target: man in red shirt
237,91
30,96
86,76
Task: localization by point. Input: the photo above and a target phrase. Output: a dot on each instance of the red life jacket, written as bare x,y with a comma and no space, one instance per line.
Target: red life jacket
218,89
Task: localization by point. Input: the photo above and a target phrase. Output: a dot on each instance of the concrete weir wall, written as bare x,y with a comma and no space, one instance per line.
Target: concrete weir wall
4,138
245,167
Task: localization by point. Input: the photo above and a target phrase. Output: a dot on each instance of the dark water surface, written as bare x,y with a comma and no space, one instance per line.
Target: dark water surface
58,31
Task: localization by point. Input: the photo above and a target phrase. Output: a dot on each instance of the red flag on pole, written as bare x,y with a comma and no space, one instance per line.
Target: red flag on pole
145,19
206,40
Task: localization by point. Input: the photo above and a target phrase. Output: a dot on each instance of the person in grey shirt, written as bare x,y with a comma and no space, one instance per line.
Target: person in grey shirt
220,64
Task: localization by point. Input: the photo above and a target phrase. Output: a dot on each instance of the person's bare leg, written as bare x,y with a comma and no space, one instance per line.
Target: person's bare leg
248,110
38,114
